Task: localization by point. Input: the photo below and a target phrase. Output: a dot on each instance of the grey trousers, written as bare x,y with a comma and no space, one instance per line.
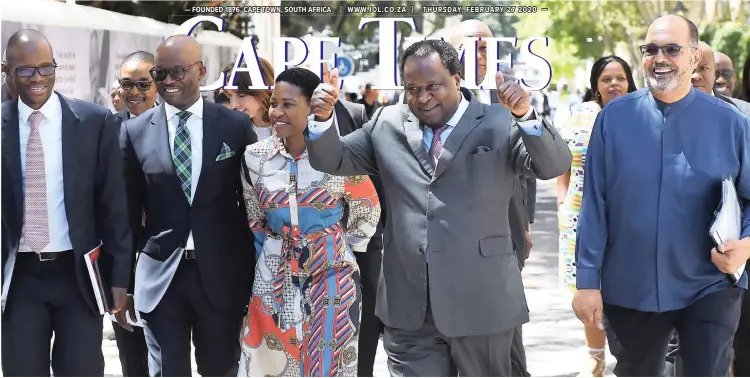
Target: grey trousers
518,355
427,353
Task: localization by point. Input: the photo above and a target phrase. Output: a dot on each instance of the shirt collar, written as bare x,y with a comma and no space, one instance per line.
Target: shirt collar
462,106
278,148
680,104
196,109
52,109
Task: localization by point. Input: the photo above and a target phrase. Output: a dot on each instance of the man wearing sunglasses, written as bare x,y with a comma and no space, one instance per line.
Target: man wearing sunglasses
703,80
194,271
61,159
725,75
645,262
138,93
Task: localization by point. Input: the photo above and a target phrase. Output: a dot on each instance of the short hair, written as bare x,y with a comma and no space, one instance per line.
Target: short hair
598,67
243,81
139,56
693,30
301,78
422,49
368,87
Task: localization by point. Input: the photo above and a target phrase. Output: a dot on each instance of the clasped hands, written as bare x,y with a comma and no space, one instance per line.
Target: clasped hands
728,258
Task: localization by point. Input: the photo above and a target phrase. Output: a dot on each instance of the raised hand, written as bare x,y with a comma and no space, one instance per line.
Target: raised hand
325,97
512,95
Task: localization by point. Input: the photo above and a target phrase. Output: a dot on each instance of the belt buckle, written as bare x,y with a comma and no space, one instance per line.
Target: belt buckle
39,255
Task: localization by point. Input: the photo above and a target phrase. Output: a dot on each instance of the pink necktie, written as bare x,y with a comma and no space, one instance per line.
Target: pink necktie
36,227
437,145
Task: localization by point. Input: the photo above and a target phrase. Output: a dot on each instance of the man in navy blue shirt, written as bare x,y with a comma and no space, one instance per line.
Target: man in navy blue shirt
645,263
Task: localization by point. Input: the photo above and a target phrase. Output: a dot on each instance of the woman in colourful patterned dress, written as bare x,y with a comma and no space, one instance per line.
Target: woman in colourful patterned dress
303,316
611,77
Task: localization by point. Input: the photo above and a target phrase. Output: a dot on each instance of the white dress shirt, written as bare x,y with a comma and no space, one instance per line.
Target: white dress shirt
50,132
195,128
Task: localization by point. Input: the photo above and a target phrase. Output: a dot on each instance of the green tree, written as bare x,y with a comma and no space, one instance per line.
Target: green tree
731,38
596,28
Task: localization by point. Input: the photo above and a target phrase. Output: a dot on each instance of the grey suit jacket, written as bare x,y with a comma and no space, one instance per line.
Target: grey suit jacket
450,214
522,203
744,106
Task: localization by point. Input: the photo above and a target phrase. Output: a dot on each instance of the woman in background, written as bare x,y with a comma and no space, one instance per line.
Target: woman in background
303,316
253,102
611,77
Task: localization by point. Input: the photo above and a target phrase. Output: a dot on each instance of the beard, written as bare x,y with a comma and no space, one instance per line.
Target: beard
663,82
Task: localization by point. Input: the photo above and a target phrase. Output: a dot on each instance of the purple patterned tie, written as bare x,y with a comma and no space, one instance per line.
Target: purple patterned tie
437,145
36,226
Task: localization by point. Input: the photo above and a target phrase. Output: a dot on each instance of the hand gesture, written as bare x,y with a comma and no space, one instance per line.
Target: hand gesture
730,256
588,306
325,97
512,96
123,303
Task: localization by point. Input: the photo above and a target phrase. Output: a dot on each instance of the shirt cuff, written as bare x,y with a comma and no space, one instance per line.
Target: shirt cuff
588,279
530,124
317,128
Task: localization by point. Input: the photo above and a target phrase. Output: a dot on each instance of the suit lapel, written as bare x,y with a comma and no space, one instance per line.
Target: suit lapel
70,140
212,143
414,136
465,126
11,145
159,133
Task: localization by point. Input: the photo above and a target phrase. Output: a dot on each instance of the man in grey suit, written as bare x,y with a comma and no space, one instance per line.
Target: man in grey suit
450,293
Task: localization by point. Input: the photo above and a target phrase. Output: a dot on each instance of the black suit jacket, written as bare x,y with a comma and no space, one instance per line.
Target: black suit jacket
94,190
217,218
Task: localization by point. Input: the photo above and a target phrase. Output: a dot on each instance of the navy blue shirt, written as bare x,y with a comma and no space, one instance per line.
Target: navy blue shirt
652,182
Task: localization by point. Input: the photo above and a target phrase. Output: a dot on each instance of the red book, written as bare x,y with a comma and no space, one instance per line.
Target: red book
102,291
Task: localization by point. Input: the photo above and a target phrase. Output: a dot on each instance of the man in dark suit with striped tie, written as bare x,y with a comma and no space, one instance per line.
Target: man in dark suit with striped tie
194,271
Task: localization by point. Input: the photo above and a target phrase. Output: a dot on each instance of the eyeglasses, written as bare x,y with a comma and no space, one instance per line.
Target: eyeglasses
142,85
47,70
671,50
726,74
176,73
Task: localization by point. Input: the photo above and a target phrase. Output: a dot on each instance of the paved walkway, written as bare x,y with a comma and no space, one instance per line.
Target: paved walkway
553,338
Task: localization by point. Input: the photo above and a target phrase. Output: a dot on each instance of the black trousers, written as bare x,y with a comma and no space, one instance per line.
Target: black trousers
370,326
133,352
184,311
638,340
742,341
45,298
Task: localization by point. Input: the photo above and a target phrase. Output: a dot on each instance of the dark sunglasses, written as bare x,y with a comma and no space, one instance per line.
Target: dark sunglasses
176,73
128,84
670,50
726,74
31,71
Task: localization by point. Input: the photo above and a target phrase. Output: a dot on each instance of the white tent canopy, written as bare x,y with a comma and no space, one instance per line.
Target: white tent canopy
72,15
